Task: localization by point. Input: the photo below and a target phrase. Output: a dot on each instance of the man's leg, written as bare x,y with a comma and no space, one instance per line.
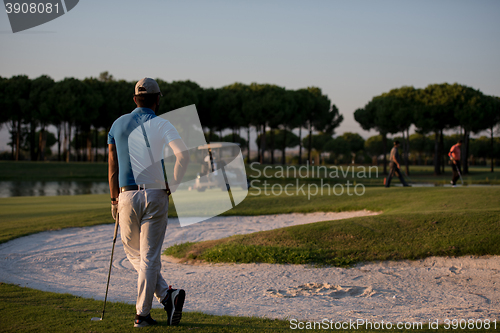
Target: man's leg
153,227
401,178
459,169
455,174
391,173
130,208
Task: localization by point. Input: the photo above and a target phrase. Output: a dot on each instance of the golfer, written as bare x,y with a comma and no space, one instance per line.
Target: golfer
394,165
454,155
142,208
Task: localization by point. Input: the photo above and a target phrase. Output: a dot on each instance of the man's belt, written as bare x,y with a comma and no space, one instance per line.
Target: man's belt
140,187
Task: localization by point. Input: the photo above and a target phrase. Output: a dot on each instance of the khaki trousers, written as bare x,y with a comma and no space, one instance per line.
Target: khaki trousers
143,222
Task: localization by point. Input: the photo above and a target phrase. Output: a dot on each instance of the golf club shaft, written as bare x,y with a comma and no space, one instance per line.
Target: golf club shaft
458,170
110,264
407,177
461,179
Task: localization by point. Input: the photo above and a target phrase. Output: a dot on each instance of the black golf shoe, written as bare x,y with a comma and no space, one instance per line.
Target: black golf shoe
173,303
143,321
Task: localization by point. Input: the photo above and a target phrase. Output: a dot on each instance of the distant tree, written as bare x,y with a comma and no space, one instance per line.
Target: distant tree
285,139
229,106
108,110
70,105
401,105
356,143
417,143
95,101
323,117
118,100
305,102
252,108
49,140
282,139
276,104
105,77
212,137
16,102
420,146
318,142
496,151
480,147
261,109
291,120
225,103
206,110
471,111
369,118
41,110
493,119
374,147
237,117
235,138
438,102
4,112
178,94
338,147
88,102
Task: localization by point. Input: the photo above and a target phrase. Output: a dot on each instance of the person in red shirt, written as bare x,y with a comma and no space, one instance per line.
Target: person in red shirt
454,155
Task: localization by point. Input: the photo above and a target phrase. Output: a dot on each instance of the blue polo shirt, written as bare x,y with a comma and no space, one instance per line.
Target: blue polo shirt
130,123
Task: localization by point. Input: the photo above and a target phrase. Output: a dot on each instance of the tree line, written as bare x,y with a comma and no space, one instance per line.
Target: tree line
81,110
352,148
434,109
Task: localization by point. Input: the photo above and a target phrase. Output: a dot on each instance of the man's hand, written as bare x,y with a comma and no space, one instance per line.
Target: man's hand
114,210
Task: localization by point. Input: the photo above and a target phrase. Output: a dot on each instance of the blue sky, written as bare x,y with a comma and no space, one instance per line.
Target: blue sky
353,50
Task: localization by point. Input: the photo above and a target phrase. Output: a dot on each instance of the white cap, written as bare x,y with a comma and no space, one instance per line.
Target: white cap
147,86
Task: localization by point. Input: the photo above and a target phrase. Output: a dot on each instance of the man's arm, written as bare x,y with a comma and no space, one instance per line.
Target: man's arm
181,162
394,159
114,189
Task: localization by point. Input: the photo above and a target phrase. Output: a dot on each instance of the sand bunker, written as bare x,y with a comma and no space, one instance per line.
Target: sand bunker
76,261
323,290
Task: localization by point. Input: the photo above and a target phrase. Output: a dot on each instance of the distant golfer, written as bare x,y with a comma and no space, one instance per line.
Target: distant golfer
394,166
454,155
142,208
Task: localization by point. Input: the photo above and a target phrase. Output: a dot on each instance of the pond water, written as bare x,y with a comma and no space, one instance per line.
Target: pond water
53,188
50,188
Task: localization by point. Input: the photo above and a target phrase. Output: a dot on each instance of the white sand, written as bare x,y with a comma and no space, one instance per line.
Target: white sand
76,261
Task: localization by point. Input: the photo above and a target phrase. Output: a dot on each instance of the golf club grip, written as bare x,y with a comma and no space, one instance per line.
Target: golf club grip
116,227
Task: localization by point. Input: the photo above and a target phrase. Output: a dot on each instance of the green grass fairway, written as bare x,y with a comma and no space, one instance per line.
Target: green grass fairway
21,216
44,171
29,310
416,223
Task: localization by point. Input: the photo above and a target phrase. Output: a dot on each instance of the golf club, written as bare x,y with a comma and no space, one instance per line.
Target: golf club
458,170
109,273
407,177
